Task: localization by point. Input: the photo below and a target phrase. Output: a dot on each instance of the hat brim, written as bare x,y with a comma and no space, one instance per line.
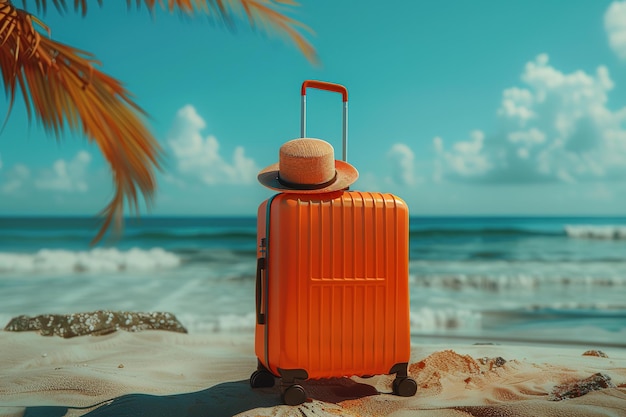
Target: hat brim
346,175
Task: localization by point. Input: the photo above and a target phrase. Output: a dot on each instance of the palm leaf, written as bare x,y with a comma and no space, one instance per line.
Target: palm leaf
63,88
267,14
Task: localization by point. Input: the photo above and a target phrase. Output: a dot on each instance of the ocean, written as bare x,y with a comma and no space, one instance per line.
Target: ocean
472,279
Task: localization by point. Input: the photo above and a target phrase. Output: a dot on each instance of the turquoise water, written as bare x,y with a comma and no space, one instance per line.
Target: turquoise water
516,278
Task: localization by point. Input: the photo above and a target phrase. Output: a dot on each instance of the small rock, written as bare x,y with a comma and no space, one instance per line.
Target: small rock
121,365
597,353
492,363
576,389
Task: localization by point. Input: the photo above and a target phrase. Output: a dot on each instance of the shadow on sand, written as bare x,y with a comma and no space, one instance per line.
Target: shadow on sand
223,400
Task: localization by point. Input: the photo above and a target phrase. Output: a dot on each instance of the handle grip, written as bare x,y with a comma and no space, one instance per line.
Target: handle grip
260,267
324,85
336,88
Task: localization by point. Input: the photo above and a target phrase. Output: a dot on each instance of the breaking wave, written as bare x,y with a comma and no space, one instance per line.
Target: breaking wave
596,232
94,260
521,281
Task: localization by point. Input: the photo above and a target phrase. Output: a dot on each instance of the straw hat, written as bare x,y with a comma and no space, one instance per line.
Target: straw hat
308,166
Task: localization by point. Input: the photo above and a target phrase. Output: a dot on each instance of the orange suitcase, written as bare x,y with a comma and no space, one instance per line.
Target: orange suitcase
332,289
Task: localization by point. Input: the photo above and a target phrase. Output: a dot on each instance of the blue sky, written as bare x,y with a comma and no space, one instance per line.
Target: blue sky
459,107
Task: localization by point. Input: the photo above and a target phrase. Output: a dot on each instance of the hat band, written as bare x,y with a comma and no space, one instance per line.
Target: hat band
298,186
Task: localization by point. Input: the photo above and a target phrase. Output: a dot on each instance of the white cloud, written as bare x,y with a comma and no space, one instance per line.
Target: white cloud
557,128
615,26
402,159
66,176
527,137
199,157
467,158
516,103
16,177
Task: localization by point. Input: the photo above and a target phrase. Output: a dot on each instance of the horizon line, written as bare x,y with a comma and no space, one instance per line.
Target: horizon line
231,216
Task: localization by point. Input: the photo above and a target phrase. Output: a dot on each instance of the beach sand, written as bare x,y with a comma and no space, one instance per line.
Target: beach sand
160,373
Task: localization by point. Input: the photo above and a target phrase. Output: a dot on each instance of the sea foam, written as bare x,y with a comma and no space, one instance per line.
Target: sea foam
596,232
425,319
95,260
432,319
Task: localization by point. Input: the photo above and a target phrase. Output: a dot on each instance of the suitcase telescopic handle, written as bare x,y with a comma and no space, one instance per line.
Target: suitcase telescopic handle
336,88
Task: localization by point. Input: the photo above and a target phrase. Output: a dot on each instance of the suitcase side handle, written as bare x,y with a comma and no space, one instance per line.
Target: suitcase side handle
335,88
260,269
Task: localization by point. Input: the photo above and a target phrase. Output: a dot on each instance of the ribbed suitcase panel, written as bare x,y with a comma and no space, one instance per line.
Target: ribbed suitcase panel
338,273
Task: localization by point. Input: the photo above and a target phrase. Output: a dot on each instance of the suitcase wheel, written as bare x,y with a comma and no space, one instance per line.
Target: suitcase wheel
261,379
294,395
404,386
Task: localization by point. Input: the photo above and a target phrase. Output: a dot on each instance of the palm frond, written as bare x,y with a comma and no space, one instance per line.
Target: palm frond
270,15
63,88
